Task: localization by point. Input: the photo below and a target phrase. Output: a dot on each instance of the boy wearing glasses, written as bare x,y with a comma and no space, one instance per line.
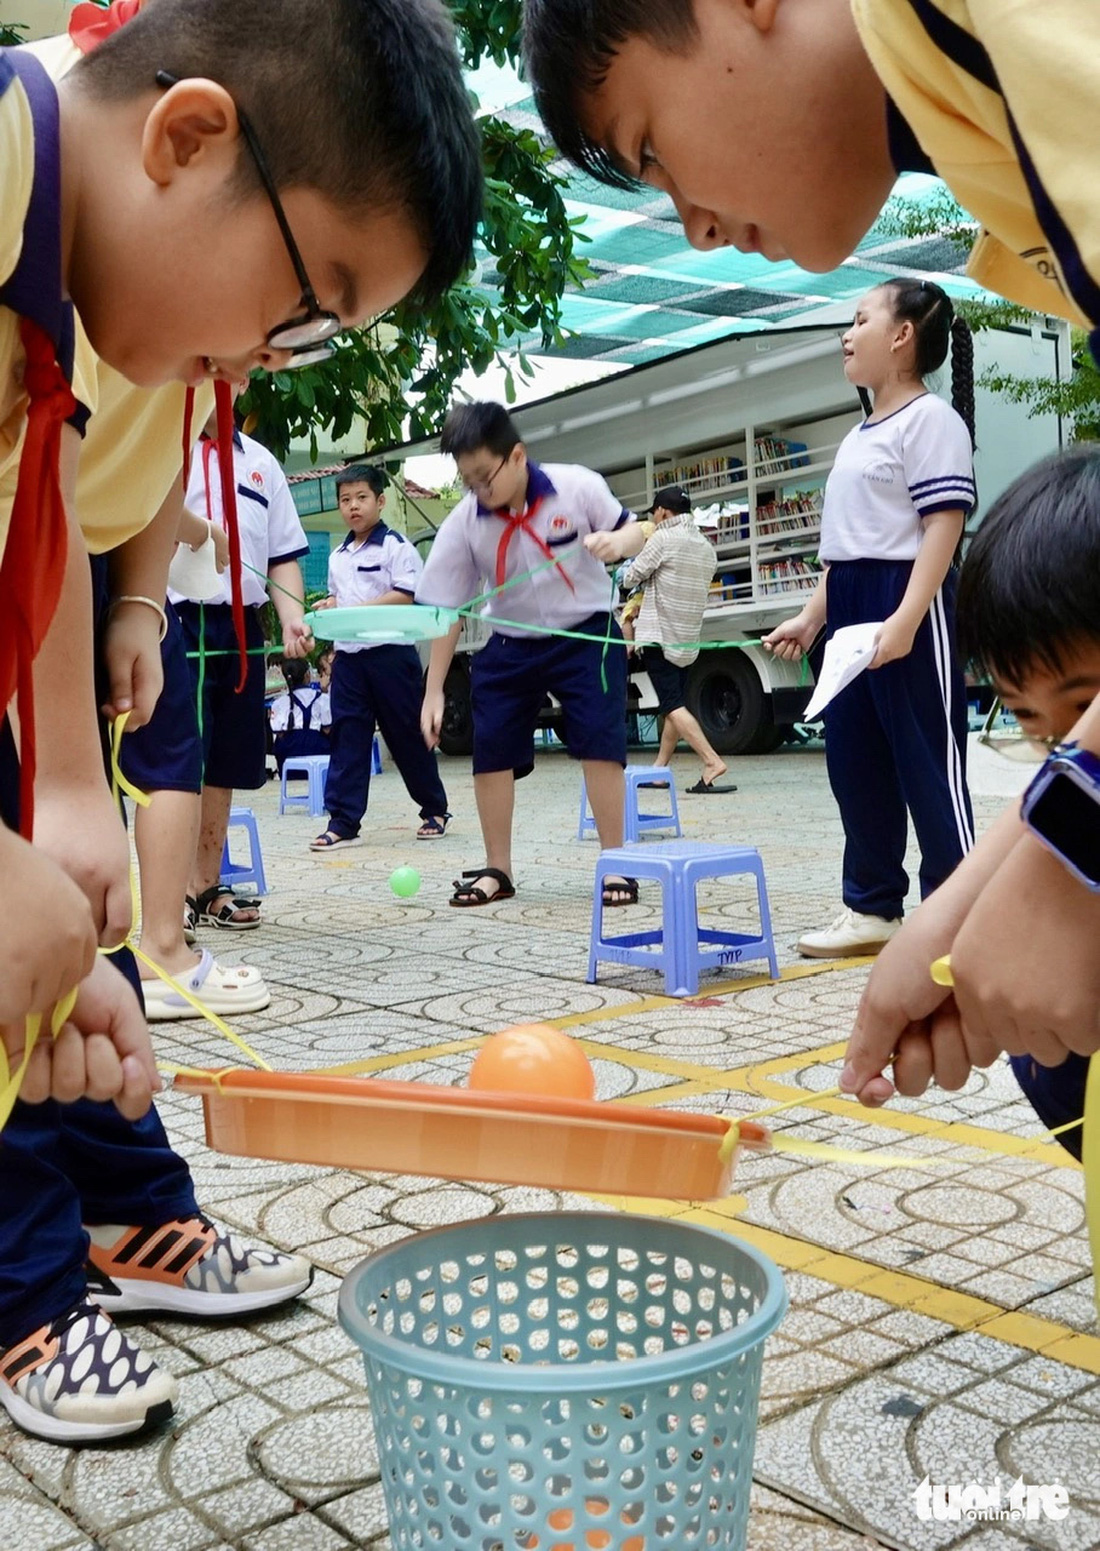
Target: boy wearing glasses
559,523
221,233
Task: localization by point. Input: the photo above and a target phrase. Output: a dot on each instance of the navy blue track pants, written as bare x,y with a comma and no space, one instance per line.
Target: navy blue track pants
381,687
895,740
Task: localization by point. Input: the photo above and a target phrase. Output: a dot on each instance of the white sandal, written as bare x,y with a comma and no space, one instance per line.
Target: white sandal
222,990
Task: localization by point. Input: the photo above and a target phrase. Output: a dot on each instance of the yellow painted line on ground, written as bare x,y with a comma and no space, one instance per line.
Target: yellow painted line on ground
900,1289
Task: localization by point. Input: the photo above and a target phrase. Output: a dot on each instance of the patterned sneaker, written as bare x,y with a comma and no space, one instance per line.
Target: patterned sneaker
79,1379
189,1267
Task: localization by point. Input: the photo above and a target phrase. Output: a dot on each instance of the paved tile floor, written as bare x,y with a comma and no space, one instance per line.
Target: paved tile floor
941,1318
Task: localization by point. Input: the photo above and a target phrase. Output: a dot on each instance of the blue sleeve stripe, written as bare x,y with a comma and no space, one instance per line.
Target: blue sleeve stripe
944,503
295,554
253,495
624,516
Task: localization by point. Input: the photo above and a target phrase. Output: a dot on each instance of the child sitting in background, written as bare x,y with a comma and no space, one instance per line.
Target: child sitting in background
300,718
1029,614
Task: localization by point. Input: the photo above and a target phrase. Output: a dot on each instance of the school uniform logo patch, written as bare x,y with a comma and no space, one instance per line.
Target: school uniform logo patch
257,479
560,530
880,473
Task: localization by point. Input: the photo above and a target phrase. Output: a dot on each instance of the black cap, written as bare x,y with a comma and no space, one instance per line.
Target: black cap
672,498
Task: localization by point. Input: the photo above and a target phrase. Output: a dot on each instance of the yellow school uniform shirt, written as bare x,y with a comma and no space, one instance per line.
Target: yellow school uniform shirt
17,161
133,441
1004,98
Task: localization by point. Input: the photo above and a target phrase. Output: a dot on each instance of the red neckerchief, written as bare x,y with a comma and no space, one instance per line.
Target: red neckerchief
33,567
514,522
228,479
89,24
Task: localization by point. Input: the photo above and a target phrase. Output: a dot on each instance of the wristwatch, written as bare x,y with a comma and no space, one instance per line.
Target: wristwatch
1061,807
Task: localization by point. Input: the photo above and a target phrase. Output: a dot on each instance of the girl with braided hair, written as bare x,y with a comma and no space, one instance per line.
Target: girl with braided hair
895,503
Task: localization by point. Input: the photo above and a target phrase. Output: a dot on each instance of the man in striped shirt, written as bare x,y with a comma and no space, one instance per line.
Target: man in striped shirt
676,565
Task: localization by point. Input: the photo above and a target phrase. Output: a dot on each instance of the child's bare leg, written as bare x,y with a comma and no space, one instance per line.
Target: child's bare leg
495,794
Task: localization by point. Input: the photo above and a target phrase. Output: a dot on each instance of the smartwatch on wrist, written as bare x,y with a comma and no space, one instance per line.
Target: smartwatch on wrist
1061,807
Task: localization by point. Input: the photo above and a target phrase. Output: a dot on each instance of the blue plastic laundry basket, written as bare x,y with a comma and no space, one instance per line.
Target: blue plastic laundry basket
565,1381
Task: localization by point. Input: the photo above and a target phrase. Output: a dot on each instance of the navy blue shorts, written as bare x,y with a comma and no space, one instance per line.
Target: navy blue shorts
166,754
233,727
668,679
511,677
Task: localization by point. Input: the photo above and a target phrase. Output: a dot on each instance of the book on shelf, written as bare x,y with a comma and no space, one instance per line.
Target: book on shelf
799,511
788,576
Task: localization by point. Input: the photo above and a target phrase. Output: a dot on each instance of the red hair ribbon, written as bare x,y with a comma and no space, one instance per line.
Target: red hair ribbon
33,566
89,24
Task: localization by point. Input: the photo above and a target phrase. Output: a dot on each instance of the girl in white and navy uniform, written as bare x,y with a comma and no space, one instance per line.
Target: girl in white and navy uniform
895,503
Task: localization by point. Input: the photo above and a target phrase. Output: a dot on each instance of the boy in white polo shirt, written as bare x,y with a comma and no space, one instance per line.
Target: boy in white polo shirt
516,518
374,684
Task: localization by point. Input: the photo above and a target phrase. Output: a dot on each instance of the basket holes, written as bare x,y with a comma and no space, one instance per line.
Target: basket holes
568,1350
625,1352
402,1289
480,1317
479,1406
626,1324
505,1260
457,1494
426,1301
668,1422
478,1287
554,1412
430,1333
456,1335
519,1438
507,1292
598,1277
706,1298
453,1303
567,1256
555,1450
597,1340
484,1443
700,1391
538,1308
460,1529
568,1319
539,1340
483,1347
668,1458
685,1271
537,1277
627,1259
509,1324
596,1432
536,1251
631,1443
455,1463
626,1292
653,1346
568,1287
485,1480
657,1257
679,1332
525,1507
519,1470
655,1315
597,1308
510,1353
681,1301
632,1479
704,1329
449,1270
420,1425
425,1459
407,1323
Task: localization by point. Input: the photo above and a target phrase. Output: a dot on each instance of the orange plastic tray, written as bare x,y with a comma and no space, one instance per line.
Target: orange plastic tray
456,1133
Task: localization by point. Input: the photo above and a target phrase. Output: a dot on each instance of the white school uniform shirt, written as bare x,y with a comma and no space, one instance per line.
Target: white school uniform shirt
313,709
478,548
267,518
889,475
361,570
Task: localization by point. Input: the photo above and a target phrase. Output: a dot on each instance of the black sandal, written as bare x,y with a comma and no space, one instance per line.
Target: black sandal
626,888
467,895
222,895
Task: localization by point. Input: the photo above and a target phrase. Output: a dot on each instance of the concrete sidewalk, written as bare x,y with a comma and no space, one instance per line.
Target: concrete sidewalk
941,1318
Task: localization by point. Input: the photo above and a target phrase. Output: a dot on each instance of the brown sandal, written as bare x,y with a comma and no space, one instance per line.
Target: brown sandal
467,895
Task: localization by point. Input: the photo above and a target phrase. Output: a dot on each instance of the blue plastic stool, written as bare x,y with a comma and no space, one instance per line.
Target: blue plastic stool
635,823
244,876
681,948
315,766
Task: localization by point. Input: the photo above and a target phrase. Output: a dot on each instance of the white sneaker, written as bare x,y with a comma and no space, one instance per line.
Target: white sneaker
848,936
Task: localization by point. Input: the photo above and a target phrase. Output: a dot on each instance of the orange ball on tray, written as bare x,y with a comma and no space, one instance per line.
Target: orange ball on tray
534,1058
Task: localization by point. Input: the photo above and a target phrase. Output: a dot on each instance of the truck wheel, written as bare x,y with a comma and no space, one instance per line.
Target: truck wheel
727,699
456,736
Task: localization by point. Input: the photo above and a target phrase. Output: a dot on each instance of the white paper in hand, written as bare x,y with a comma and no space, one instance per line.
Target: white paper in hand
847,653
194,572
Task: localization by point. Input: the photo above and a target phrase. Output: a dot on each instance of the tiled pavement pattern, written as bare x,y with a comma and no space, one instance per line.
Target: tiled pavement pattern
941,1317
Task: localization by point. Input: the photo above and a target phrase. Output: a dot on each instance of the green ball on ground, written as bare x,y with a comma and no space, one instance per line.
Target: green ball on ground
404,881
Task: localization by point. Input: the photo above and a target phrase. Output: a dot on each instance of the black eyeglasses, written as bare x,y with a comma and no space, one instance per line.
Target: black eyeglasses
308,334
484,485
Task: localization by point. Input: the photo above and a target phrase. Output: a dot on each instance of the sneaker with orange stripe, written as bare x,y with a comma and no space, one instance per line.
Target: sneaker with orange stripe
189,1267
80,1379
